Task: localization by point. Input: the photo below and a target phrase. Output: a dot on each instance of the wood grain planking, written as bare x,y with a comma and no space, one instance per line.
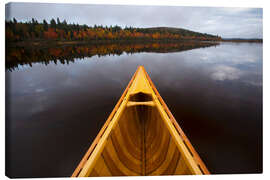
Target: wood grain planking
157,144
130,151
158,158
181,168
162,165
94,173
101,168
133,150
125,157
114,163
129,131
173,163
112,166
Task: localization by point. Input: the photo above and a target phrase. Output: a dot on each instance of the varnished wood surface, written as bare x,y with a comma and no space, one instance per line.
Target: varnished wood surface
125,153
139,140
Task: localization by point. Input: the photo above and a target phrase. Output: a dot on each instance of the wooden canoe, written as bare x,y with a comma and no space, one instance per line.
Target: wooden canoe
140,137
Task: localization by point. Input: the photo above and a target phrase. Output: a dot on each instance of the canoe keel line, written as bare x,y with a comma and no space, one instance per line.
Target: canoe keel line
140,137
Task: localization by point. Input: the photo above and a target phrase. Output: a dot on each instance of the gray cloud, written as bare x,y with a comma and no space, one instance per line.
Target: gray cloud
226,22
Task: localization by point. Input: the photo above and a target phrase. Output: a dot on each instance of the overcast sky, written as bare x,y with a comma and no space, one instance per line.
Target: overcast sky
226,22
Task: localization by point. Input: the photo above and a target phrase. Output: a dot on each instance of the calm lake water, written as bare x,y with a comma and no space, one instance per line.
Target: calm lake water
54,111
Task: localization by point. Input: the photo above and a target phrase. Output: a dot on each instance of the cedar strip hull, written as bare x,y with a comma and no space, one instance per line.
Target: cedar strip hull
141,137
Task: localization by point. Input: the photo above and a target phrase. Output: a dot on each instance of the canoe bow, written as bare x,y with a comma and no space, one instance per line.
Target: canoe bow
140,137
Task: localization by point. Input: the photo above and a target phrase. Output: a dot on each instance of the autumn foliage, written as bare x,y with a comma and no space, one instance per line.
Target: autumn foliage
50,34
57,30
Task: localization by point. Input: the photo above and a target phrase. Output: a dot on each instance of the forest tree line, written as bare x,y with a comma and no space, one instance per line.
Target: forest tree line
61,30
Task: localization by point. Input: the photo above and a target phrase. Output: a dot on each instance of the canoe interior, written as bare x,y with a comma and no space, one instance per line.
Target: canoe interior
140,144
139,141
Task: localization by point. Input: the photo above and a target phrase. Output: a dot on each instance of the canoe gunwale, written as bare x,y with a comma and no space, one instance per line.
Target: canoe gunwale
191,156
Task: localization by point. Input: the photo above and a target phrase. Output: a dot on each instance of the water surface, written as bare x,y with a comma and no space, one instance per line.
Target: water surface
55,109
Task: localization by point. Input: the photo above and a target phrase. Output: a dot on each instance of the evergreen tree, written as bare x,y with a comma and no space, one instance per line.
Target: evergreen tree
45,25
53,23
14,21
58,23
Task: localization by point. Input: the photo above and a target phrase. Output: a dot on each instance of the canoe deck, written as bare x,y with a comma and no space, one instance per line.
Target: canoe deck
140,137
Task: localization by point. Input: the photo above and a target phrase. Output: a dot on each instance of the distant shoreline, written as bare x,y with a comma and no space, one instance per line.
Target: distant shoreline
243,40
49,43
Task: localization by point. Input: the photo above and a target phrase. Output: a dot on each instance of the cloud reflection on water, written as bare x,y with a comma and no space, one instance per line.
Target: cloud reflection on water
222,73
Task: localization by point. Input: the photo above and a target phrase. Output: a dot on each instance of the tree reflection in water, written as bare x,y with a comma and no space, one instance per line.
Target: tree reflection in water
16,56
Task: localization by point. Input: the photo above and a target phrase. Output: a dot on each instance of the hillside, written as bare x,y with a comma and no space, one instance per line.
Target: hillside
180,31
